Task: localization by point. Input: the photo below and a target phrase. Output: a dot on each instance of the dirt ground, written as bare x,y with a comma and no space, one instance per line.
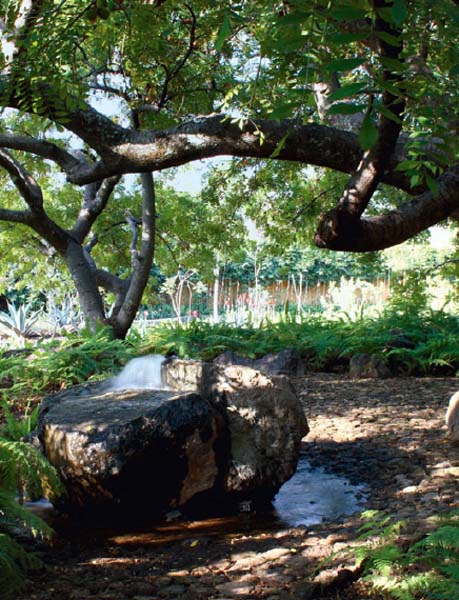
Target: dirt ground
388,434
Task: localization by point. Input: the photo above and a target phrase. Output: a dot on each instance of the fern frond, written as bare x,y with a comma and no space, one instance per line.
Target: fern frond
21,465
14,515
14,562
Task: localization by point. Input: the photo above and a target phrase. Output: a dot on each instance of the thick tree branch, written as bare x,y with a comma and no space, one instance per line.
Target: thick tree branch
384,231
91,126
95,199
42,148
370,171
215,135
24,182
15,216
30,191
143,261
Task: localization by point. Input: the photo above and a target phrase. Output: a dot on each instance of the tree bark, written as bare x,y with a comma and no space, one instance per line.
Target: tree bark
343,220
142,261
85,283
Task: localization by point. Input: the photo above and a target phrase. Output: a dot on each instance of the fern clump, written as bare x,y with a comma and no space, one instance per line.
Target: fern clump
427,570
24,473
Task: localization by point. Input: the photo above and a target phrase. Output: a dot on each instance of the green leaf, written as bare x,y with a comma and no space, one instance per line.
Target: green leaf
347,90
344,64
280,145
283,110
404,165
432,185
346,108
389,114
347,13
368,133
414,180
224,33
392,64
399,11
294,18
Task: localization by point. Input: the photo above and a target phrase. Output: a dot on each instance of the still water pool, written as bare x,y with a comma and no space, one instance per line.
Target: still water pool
311,496
314,495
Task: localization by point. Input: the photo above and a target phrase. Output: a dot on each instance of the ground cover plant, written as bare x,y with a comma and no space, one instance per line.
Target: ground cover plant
414,343
426,569
50,366
24,474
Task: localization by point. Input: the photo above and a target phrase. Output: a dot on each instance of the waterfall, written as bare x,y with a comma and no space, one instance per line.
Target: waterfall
140,373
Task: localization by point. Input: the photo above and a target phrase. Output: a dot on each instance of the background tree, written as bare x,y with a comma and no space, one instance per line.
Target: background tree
199,79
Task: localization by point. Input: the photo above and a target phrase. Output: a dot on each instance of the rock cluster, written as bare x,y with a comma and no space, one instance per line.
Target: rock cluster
218,436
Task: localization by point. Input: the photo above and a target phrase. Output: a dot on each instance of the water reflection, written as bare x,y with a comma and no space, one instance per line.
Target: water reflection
311,496
314,495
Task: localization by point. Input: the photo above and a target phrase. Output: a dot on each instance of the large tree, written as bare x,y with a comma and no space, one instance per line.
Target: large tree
364,87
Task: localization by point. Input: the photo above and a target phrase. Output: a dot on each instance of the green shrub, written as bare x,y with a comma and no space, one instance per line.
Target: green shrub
322,342
58,364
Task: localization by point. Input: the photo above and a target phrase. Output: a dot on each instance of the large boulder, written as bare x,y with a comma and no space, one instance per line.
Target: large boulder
145,451
264,417
223,435
266,423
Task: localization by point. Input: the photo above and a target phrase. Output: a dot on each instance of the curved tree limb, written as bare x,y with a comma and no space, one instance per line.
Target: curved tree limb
95,199
412,217
42,148
15,216
24,182
370,171
143,259
30,191
215,135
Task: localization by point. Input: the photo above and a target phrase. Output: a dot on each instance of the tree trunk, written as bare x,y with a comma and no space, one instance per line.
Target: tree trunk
85,283
216,293
142,261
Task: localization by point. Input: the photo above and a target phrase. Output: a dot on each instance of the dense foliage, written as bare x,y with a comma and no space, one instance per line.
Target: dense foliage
97,90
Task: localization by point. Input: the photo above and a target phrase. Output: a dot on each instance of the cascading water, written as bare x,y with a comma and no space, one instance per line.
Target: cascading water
144,373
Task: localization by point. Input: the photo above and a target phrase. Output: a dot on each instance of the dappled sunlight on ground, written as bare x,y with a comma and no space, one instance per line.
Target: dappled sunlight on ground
386,434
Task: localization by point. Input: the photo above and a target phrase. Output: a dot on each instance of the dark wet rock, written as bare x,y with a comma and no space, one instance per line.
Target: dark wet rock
368,366
152,450
233,435
286,362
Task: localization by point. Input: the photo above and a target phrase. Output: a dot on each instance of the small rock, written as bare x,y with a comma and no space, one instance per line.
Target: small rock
235,588
173,591
368,366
